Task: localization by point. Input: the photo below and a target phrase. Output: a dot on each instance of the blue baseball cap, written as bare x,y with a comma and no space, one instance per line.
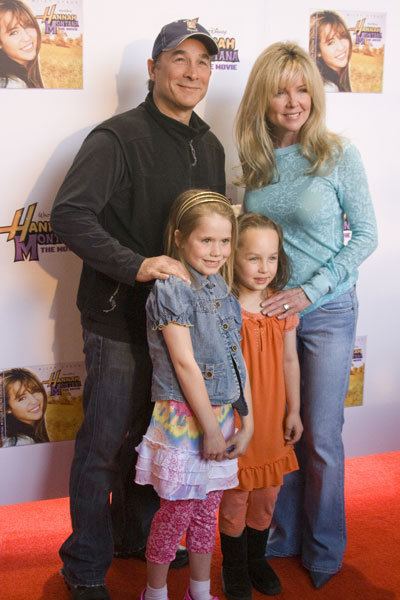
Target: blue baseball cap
173,34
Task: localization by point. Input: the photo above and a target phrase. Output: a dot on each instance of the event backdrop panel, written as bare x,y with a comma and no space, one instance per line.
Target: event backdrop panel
43,128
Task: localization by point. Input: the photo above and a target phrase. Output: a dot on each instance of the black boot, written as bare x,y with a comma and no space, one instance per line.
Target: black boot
235,577
262,575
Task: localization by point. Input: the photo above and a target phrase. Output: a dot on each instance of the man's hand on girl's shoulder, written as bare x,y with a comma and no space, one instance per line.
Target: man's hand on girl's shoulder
161,267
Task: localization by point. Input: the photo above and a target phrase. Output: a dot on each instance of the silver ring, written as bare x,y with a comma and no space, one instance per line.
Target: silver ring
286,307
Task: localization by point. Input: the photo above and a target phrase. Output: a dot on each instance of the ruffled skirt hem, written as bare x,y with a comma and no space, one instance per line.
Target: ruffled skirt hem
182,475
253,478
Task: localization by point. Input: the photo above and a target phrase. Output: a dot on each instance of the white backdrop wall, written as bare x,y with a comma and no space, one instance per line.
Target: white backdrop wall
41,130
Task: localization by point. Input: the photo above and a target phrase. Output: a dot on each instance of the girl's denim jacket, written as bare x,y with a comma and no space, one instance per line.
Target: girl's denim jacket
214,318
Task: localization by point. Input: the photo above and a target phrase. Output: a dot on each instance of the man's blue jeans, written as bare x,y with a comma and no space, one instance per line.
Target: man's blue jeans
309,517
116,399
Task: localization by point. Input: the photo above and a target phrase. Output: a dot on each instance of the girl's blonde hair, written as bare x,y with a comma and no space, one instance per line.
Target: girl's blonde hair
256,221
185,213
277,66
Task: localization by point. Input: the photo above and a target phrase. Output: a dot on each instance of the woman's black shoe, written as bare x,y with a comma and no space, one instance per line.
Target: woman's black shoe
319,579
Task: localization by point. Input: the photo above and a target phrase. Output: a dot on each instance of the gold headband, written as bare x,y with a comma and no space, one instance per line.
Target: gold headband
200,198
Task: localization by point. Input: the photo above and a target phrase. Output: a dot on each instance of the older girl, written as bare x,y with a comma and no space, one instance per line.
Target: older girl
189,451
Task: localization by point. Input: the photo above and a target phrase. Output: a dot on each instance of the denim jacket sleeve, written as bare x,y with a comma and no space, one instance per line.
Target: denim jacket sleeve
170,301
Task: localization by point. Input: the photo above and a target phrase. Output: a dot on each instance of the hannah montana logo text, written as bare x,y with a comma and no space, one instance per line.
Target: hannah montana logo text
32,238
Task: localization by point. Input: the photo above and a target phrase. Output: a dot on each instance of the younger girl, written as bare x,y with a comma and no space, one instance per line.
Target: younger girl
269,348
188,452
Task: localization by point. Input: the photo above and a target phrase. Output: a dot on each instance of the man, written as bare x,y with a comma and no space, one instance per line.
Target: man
111,211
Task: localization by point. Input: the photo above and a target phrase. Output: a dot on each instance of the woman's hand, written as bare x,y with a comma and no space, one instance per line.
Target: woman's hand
214,445
285,303
237,444
293,428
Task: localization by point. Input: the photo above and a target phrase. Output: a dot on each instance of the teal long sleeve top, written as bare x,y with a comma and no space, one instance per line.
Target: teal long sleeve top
310,210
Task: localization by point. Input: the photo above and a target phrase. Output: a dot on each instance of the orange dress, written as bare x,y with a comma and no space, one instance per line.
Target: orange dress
267,458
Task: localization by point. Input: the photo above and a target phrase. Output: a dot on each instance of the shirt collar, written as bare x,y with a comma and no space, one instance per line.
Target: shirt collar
196,128
200,281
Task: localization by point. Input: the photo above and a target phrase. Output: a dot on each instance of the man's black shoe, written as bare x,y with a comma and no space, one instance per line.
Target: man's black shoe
181,557
83,592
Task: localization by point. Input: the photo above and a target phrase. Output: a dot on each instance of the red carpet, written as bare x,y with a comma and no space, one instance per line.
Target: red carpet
31,534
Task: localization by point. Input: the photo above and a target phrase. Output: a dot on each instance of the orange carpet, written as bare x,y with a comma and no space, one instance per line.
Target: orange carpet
31,534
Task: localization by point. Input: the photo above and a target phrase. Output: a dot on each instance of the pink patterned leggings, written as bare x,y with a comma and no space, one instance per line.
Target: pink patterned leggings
197,517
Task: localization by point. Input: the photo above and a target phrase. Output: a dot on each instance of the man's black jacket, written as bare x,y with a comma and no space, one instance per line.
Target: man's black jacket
113,206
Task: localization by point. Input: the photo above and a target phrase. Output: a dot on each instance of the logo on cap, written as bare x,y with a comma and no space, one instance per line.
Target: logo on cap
191,24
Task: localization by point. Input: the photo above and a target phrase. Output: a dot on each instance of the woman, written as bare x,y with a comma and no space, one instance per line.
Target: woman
26,403
20,41
331,47
305,178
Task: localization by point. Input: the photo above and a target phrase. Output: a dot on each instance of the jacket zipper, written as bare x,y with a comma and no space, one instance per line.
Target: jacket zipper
193,151
112,301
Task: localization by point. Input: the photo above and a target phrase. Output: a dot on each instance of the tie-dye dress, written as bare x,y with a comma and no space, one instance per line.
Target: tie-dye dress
170,454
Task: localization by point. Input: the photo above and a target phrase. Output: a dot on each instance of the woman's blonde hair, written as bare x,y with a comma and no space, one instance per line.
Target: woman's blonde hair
185,213
278,65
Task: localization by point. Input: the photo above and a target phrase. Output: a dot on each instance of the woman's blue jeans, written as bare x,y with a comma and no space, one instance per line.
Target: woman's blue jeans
309,517
116,399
